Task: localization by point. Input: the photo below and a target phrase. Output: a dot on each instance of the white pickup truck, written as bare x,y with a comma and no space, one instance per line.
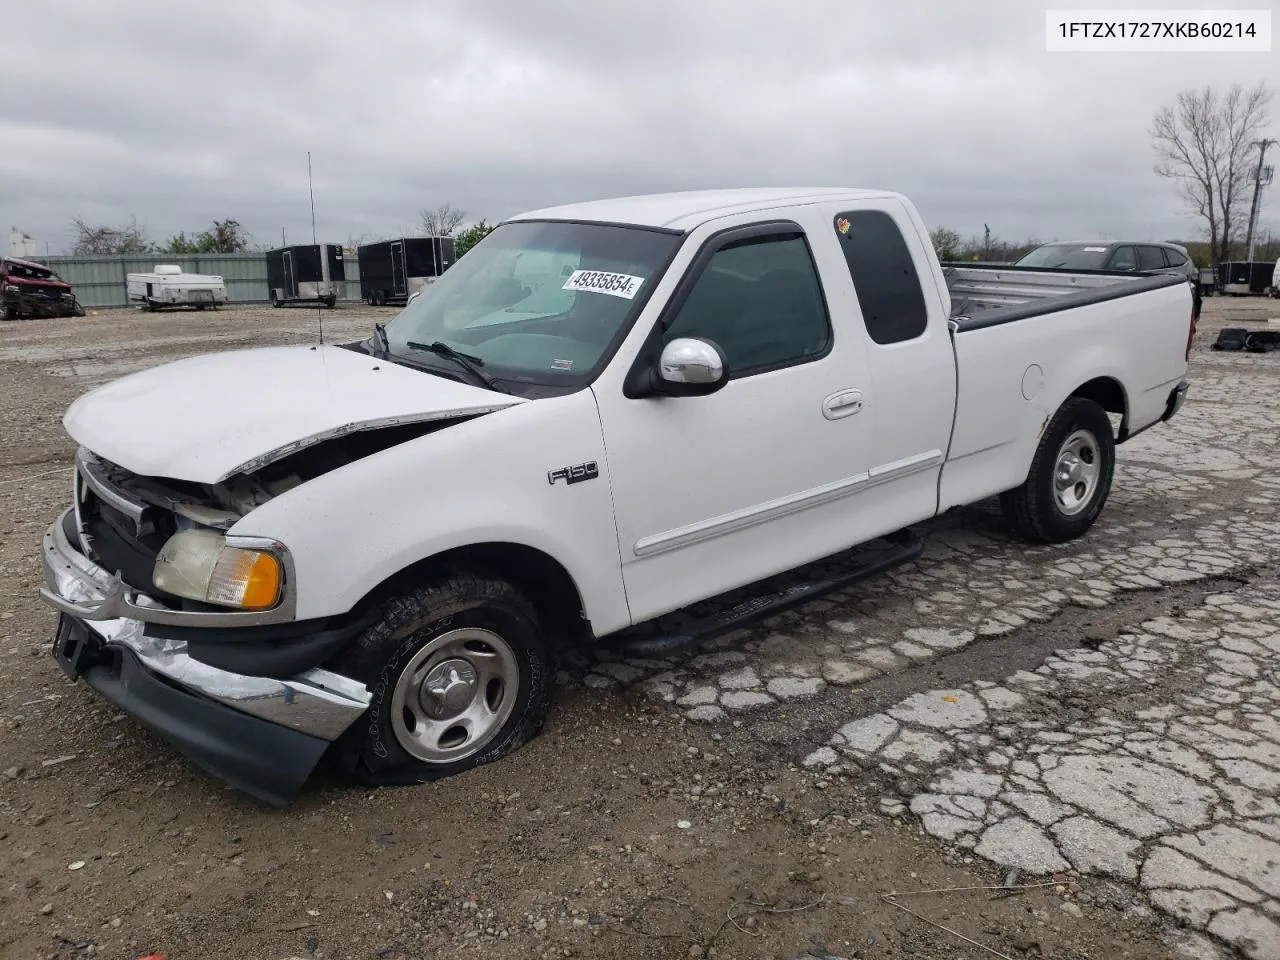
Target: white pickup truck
603,415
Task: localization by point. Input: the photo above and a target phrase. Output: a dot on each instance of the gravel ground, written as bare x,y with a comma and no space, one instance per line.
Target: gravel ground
1094,722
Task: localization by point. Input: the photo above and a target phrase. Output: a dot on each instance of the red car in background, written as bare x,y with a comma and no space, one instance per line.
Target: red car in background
30,289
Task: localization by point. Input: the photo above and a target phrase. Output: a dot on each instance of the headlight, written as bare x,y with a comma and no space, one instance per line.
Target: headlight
199,565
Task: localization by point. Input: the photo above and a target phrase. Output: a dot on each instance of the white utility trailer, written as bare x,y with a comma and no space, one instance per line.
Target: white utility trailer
168,286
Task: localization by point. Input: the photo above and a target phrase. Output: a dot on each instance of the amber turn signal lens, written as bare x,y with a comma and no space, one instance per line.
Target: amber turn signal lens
249,579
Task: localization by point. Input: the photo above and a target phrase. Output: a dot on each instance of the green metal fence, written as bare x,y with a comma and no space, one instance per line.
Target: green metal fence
101,281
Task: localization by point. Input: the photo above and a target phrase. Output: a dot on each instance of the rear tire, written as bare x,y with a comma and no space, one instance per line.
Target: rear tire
1070,476
275,300
460,676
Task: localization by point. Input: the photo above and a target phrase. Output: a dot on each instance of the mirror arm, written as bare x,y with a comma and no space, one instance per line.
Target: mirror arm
642,381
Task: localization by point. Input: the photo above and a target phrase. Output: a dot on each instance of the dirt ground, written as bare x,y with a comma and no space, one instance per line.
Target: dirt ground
626,830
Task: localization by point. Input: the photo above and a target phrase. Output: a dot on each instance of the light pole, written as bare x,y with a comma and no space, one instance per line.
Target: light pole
1257,193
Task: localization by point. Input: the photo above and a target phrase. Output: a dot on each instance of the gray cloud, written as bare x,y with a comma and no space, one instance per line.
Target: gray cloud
179,118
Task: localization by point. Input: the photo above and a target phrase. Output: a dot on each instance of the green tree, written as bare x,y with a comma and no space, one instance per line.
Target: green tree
469,237
224,236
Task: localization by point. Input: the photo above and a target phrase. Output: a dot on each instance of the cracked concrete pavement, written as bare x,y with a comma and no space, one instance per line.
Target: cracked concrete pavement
1110,706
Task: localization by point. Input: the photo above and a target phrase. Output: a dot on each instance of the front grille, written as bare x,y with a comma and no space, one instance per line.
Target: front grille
119,532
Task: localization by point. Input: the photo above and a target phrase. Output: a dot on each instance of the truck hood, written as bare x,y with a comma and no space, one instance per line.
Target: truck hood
41,284
210,417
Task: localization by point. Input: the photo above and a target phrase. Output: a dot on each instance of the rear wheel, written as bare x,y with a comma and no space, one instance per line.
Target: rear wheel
1070,477
460,676
275,300
329,301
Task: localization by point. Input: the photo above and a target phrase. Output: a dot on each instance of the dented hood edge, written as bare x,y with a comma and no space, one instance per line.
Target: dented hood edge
279,453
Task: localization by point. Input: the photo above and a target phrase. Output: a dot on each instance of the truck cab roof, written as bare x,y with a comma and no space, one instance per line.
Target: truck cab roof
684,211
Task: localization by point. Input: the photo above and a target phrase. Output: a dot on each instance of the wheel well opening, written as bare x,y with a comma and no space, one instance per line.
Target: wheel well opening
542,579
1107,393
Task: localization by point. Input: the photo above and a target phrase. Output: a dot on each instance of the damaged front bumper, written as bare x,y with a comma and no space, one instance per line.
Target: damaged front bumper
41,307
263,735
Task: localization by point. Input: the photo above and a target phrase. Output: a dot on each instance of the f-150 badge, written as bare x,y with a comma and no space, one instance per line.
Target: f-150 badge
575,474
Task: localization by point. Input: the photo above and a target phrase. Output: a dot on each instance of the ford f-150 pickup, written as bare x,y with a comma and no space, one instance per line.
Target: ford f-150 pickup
639,422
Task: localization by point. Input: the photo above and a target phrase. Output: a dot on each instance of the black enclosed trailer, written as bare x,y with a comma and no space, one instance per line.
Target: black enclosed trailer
313,273
391,271
1245,277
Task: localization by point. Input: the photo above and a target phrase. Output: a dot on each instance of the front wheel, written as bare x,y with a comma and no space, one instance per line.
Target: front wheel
1070,477
460,676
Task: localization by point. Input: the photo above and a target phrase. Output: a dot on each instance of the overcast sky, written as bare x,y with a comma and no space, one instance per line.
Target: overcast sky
179,114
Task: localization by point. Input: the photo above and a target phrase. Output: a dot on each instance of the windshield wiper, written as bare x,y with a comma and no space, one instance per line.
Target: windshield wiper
465,360
380,338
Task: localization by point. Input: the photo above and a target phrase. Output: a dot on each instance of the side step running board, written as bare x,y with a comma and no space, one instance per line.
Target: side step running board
711,618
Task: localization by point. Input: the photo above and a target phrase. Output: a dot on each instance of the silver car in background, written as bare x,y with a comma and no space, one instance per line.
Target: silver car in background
1123,255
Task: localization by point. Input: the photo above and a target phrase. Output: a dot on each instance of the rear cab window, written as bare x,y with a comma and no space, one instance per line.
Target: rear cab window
884,276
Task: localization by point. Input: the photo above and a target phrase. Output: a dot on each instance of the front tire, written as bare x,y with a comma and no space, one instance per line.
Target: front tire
1070,476
460,676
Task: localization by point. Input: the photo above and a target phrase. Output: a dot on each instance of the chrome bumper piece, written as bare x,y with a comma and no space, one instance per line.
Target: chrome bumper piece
317,702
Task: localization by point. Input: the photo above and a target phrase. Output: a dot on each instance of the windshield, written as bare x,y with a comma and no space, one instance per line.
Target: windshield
536,302
22,271
1069,256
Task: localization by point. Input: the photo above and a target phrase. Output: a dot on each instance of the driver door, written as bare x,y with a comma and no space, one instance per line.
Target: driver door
716,491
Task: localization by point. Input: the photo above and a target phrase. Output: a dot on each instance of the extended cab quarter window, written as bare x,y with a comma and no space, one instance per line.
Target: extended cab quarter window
759,299
884,276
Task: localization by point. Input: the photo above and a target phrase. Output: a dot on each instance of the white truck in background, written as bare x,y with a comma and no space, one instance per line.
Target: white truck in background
710,407
168,286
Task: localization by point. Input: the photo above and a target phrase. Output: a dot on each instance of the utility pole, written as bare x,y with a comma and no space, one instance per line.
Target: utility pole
1257,193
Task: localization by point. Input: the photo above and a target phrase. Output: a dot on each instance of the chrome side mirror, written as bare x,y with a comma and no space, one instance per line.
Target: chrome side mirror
690,366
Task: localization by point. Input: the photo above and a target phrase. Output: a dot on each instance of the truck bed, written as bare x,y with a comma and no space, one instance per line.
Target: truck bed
983,295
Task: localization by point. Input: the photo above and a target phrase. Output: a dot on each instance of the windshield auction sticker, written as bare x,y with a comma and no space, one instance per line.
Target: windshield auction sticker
597,281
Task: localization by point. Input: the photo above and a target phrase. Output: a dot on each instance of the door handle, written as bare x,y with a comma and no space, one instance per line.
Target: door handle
842,404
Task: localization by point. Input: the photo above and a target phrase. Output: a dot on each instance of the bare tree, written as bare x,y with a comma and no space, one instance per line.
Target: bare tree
946,243
441,221
356,240
1206,142
99,240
